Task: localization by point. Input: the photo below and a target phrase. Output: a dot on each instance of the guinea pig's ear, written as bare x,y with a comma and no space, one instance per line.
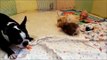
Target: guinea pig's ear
24,21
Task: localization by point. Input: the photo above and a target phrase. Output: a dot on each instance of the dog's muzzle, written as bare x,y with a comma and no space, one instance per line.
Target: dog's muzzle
25,43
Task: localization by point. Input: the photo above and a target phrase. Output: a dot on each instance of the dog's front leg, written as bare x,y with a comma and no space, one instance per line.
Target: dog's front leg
10,52
13,56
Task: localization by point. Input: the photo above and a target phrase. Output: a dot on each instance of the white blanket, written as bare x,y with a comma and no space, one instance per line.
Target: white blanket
64,48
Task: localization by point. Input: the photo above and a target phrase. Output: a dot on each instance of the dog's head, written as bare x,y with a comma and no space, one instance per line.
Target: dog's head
16,33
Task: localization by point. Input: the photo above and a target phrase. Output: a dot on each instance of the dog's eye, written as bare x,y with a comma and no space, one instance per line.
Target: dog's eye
19,41
19,31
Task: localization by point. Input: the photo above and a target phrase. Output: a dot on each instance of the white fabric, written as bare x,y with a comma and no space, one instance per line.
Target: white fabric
64,48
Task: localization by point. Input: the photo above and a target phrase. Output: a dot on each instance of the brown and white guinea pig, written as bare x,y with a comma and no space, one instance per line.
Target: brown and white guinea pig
68,24
67,19
72,18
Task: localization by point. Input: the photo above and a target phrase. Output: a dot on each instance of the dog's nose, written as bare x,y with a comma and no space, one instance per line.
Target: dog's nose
25,43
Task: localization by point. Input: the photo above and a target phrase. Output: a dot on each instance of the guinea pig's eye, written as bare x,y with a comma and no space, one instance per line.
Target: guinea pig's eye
59,20
68,19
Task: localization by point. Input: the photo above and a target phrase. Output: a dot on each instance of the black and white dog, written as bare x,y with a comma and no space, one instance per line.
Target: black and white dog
12,33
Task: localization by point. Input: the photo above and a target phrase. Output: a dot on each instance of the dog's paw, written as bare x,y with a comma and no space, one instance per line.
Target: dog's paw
13,56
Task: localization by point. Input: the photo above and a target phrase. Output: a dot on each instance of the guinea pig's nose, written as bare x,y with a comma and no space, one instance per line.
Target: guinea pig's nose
25,43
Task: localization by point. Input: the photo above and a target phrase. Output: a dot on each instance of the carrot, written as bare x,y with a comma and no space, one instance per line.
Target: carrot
29,47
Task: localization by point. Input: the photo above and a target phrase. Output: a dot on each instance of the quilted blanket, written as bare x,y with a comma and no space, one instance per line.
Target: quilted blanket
94,31
64,48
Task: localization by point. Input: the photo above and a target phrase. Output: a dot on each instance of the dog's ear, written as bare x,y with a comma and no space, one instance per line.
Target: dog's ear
24,21
23,28
23,24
